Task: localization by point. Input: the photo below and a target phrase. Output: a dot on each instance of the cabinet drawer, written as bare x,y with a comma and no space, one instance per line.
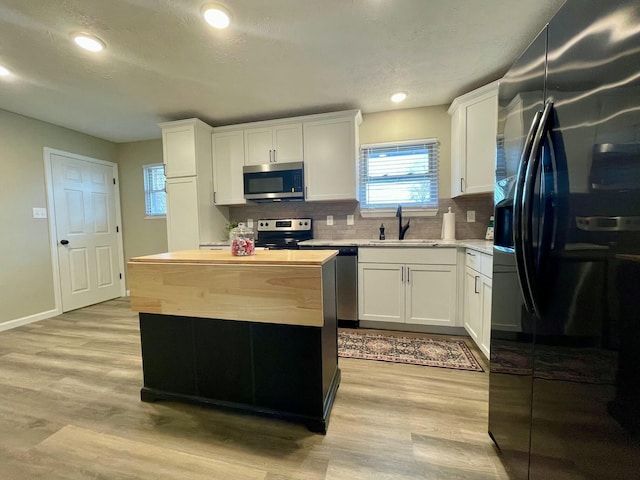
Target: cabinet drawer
426,256
486,267
474,260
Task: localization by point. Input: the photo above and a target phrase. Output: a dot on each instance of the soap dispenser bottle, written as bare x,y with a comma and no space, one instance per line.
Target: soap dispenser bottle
382,231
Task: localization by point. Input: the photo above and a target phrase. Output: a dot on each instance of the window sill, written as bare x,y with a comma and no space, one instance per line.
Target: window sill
154,217
391,212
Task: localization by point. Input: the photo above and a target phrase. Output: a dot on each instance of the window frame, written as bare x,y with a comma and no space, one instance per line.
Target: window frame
148,191
408,210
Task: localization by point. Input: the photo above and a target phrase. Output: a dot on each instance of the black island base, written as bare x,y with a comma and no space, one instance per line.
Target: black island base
284,371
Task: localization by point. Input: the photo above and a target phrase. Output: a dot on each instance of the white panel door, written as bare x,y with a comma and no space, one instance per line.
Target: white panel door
86,231
381,292
431,294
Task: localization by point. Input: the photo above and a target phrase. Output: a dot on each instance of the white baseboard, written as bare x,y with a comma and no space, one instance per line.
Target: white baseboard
30,319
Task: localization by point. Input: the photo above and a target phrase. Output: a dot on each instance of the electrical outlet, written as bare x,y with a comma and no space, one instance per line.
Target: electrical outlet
471,215
349,219
329,219
39,212
250,222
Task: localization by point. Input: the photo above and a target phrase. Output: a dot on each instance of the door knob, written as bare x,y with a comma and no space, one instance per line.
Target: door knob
64,242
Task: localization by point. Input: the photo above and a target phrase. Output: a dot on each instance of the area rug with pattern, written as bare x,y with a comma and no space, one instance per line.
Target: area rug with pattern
433,352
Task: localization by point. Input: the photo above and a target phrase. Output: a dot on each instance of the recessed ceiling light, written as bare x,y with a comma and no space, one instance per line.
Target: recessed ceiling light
89,42
398,97
4,72
216,16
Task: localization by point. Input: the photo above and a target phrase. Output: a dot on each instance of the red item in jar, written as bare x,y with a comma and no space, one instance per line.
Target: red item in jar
242,247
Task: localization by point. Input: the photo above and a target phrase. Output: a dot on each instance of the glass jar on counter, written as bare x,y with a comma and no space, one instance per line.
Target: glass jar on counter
242,240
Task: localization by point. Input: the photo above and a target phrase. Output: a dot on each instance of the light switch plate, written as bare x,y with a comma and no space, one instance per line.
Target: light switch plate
250,222
329,219
349,219
39,212
471,215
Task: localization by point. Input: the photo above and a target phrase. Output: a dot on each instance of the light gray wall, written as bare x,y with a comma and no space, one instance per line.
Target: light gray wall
140,236
413,124
26,281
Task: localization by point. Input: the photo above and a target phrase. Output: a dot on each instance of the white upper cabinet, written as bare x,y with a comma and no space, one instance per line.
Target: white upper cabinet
183,143
228,160
277,144
192,218
327,143
330,157
474,122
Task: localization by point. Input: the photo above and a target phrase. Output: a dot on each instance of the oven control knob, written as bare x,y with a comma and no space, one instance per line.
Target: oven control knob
300,223
306,223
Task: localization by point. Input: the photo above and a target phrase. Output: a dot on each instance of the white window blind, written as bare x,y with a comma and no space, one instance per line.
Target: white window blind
155,197
403,173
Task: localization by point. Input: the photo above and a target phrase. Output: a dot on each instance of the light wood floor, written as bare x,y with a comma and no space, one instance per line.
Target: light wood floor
70,409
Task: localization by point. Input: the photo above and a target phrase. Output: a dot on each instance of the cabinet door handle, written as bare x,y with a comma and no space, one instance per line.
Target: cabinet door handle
402,274
471,254
461,187
475,284
270,155
275,160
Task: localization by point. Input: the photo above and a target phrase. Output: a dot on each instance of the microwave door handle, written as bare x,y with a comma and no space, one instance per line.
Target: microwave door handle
518,213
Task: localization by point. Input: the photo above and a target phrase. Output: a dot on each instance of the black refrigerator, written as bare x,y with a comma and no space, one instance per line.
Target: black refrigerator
564,389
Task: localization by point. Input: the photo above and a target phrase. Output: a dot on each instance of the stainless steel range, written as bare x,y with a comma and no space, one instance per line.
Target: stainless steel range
286,233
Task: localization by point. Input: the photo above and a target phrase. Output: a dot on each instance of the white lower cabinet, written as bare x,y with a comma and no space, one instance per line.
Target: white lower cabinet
381,292
422,292
477,298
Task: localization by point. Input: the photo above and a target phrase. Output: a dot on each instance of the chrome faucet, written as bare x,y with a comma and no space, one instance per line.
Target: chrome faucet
402,230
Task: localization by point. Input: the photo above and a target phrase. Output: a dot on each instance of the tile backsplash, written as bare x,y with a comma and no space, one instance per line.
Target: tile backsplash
421,227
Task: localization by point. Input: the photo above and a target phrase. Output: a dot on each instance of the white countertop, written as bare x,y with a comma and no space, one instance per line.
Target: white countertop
483,246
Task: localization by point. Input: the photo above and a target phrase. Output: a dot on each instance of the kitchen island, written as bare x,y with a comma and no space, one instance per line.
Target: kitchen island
255,333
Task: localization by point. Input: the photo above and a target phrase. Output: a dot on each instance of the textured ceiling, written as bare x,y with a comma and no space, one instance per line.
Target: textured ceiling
279,58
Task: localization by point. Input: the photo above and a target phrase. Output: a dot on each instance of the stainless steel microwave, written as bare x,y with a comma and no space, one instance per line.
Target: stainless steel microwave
274,182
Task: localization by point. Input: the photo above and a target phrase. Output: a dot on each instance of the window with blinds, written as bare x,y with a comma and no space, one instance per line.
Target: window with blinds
403,173
155,197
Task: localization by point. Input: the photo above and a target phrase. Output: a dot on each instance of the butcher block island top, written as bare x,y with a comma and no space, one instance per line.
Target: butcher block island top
261,257
272,286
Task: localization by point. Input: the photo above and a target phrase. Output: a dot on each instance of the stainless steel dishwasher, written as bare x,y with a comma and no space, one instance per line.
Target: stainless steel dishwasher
346,281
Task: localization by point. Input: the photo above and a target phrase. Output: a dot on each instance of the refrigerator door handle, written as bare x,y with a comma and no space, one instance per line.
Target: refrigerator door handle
517,211
527,209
